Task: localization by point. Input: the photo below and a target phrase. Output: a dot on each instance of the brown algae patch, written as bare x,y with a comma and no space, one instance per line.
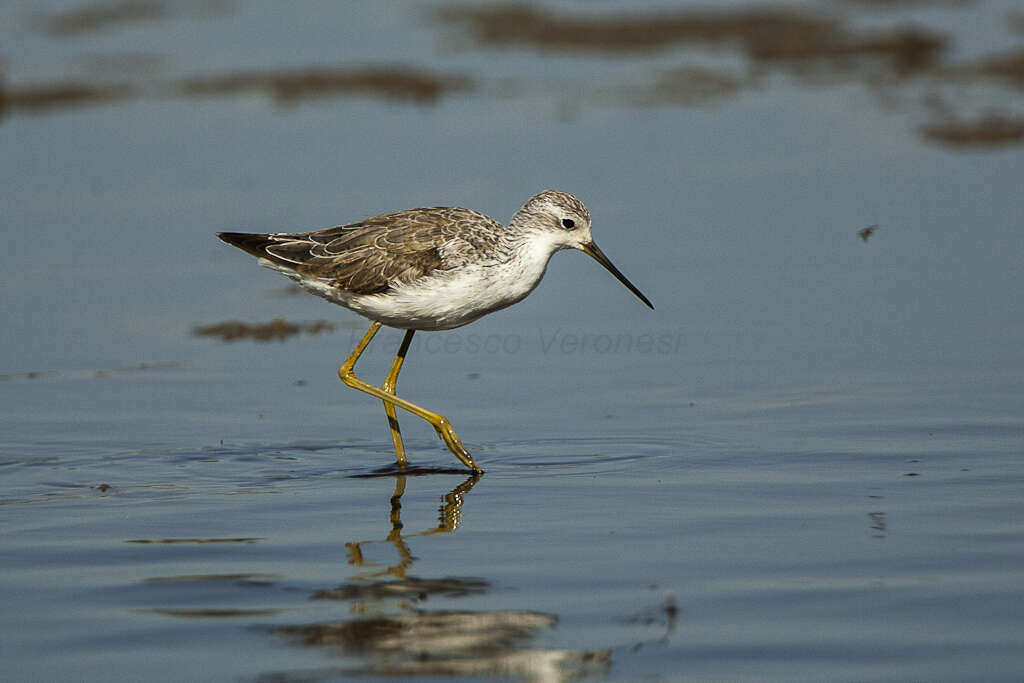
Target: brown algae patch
62,95
1006,68
287,86
275,330
764,33
283,86
101,16
511,25
989,130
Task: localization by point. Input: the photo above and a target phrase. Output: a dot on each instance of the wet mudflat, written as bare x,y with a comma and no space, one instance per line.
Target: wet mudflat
805,464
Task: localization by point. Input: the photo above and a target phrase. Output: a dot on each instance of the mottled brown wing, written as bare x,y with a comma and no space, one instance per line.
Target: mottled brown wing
369,256
367,259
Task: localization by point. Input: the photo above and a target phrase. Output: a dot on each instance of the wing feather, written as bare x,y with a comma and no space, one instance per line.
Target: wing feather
371,256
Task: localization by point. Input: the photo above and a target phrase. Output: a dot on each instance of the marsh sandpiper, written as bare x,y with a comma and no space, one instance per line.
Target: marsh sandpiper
428,269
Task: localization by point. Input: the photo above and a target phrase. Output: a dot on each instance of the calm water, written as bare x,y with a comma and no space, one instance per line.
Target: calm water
804,465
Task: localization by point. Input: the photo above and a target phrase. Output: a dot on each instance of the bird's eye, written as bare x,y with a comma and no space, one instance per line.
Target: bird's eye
568,223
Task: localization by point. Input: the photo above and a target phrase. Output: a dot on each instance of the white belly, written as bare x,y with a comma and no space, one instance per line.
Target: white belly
444,300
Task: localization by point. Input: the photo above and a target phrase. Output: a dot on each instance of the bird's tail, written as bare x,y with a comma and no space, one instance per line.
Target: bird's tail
254,243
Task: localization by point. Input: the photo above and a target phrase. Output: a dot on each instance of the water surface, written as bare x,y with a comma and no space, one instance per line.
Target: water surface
805,464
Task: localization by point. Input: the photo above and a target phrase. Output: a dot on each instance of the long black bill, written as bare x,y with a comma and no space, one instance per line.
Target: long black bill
592,250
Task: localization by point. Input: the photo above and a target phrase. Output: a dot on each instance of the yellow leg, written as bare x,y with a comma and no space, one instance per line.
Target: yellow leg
389,386
441,425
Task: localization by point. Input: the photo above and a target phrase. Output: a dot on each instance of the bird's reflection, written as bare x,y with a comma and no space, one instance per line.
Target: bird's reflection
449,515
392,635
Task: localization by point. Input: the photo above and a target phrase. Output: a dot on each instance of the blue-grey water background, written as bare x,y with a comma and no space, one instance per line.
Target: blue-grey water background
805,464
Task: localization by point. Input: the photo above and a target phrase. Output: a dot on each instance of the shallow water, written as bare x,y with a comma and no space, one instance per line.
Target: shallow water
805,464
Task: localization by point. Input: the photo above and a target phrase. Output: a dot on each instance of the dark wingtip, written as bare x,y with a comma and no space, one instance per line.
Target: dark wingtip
252,243
236,239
